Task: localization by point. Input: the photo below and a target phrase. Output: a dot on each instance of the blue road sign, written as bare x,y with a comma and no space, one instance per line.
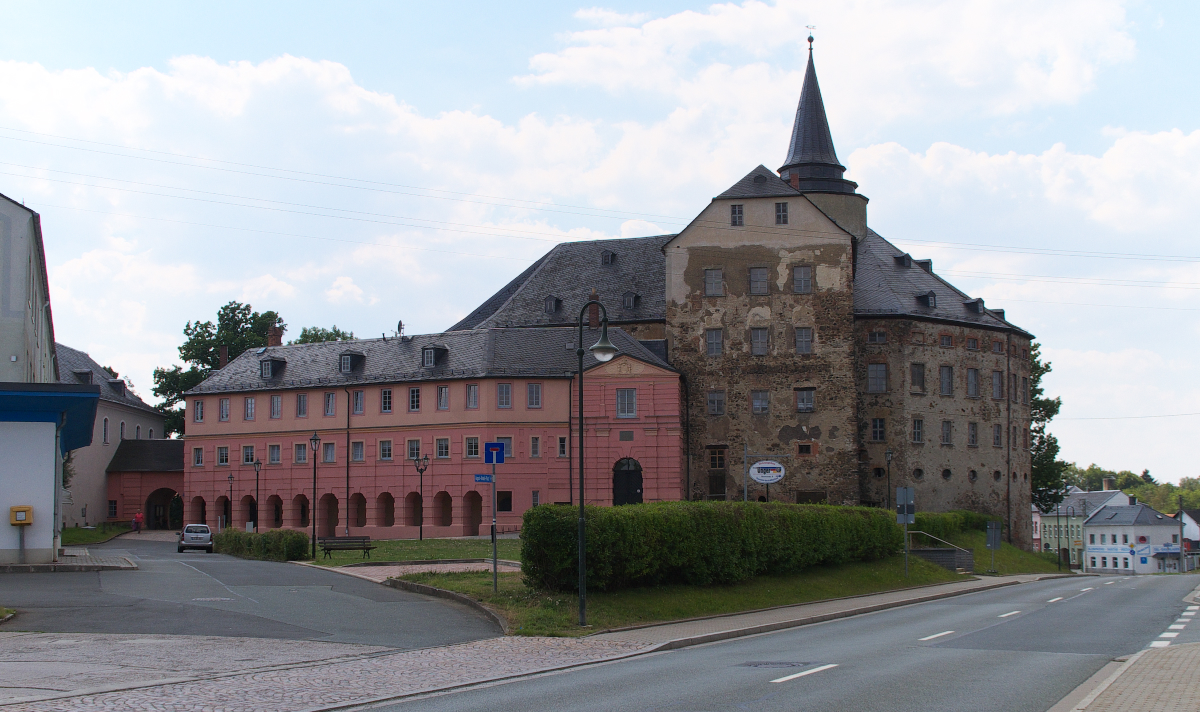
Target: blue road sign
483,478
493,453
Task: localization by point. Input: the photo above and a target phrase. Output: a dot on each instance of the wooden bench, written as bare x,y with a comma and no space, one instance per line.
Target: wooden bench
345,543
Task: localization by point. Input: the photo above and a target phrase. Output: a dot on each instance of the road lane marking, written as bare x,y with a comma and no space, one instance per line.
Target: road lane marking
1089,588
936,635
1190,608
1010,613
1168,635
806,672
1176,627
1055,600
1109,582
1159,643
1184,621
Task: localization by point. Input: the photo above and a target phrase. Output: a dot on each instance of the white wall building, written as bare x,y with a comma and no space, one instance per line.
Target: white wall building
26,327
1133,538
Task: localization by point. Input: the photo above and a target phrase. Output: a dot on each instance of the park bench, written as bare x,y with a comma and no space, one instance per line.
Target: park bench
345,543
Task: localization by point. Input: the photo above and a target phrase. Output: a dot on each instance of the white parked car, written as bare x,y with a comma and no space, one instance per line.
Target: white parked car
195,536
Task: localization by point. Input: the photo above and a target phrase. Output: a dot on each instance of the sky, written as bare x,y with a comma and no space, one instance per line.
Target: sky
366,163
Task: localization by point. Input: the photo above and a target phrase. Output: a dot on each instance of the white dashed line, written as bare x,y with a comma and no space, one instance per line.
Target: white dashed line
1010,613
1106,583
1055,600
1089,588
1159,644
806,672
1190,608
936,635
1176,627
1168,635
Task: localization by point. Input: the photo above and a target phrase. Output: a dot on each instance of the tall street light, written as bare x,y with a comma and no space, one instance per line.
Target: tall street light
257,492
315,441
603,350
422,464
887,456
229,514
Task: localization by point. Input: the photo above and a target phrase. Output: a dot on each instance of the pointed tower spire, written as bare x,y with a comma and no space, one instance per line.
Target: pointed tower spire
812,164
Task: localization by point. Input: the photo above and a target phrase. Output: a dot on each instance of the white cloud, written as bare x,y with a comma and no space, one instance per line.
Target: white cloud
344,290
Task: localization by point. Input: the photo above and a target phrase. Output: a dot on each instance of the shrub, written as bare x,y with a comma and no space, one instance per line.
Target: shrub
699,543
946,524
272,545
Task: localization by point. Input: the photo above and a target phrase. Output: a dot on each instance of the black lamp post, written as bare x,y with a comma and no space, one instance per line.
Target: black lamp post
229,514
315,441
422,464
603,350
887,456
257,491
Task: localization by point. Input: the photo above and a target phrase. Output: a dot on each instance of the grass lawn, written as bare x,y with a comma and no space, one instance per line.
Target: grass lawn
414,550
532,612
1009,559
78,536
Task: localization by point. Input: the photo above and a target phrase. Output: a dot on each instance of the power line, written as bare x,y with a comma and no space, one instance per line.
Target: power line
1136,417
1095,281
1106,306
1048,252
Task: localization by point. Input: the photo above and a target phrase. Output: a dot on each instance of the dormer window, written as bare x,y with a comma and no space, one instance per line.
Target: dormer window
926,265
608,257
553,305
428,357
975,306
928,299
630,300
904,260
84,376
265,369
117,385
271,367
345,363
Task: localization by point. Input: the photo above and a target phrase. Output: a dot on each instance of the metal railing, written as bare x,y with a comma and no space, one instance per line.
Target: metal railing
941,540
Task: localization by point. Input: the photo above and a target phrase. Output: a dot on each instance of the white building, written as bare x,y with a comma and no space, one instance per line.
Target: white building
1132,538
1061,529
26,327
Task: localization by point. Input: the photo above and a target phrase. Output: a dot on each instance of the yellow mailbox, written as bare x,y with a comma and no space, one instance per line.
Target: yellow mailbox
20,516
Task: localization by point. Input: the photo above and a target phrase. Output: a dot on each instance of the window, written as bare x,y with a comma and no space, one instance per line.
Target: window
917,376
802,279
472,395
356,451
151,435
946,376
1012,387
385,449
223,409
414,399
804,448
972,344
443,397
918,474
264,369
503,395
358,399
947,474
877,378
552,305
630,300
329,452
274,456
626,402
1174,539
759,341
302,405
248,409
716,458
504,501
105,429
247,454
877,337
760,402
758,280
533,395
947,433
442,447
997,347
972,382
1025,390
804,399
878,429
608,257
330,404
536,498
198,456
1124,540
973,434
713,342
344,363
428,357
198,411
947,341
385,400
122,430
716,402
473,447
1012,441
301,453
137,432
735,216
507,443
1093,562
112,508
535,447
1092,540
997,385
713,286
276,406
781,214
918,430
804,339
414,449
223,455
998,436
562,446
996,475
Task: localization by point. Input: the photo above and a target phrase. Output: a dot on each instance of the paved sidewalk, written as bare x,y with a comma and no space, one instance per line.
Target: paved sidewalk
380,573
1154,680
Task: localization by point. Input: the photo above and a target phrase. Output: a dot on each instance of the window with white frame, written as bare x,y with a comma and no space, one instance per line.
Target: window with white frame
223,455
533,395
877,378
716,402
562,446
385,400
223,409
503,395
443,397
301,405
946,378
760,341
358,401
878,429
997,385
972,434
198,411
344,363
414,449
472,447
917,376
414,400
472,395
276,406
802,279
265,369
428,357
805,399
357,451
442,447
385,449
247,454
972,382
198,457
713,342
781,213
998,435
274,456
804,339
760,402
626,402
758,280
535,446
713,283
507,443
248,409
300,453
329,452
947,433
330,404
536,498
735,216
918,430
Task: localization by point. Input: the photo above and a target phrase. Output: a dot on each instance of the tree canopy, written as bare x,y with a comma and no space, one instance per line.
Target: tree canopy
1046,475
318,334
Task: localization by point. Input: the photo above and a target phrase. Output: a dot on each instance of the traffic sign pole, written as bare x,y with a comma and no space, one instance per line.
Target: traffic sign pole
495,578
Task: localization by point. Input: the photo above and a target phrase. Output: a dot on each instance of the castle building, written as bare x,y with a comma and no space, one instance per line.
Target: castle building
803,336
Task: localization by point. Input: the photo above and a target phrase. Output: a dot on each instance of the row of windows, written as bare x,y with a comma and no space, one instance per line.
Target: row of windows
1104,562
877,382
947,431
412,451
760,281
137,432
760,401
946,341
948,474
737,214
760,341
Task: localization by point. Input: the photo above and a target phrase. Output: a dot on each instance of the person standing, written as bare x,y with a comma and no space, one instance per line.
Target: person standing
138,519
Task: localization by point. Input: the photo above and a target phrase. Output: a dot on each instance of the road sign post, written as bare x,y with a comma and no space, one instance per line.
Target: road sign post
993,541
493,453
906,513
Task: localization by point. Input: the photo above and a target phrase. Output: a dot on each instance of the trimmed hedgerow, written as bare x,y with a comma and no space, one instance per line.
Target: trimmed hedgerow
946,524
699,543
272,545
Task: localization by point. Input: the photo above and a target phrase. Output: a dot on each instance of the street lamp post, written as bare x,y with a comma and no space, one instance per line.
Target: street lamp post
422,464
257,492
887,456
603,350
229,516
315,441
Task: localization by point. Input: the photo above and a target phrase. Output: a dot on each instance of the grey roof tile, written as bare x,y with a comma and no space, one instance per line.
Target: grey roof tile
1139,514
759,183
74,364
811,141
147,456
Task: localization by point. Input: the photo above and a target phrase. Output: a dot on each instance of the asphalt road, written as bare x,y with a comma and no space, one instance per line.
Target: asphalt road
1010,650
195,593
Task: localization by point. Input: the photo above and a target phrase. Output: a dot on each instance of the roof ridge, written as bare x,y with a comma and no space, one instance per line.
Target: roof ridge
539,266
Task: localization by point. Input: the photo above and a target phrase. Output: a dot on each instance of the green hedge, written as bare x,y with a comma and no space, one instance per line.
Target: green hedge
946,524
698,543
272,545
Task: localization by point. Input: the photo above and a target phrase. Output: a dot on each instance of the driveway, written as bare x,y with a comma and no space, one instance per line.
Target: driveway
195,593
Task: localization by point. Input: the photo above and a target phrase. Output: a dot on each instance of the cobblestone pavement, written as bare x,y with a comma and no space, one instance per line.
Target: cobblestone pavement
1158,680
309,682
382,573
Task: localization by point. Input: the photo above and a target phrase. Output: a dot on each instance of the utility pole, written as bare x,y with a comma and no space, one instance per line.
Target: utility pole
1181,559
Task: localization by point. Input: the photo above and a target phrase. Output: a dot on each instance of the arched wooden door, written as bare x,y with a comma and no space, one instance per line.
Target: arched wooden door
627,482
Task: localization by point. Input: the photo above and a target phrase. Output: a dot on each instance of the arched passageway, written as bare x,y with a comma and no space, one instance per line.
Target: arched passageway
385,510
163,510
247,512
627,482
327,522
472,513
300,511
443,509
273,516
358,510
222,512
412,509
198,512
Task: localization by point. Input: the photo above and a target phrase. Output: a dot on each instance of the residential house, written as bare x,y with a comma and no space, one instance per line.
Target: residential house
1062,526
1131,538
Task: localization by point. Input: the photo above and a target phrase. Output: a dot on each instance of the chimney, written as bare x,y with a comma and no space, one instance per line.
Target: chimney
594,312
1110,483
224,351
1132,500
274,336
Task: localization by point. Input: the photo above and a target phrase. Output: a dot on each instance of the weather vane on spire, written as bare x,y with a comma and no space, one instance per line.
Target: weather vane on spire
810,37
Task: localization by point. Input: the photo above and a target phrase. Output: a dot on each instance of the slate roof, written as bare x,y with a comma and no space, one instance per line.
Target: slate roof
811,141
1084,503
477,353
72,364
885,287
760,183
1138,514
147,456
569,272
